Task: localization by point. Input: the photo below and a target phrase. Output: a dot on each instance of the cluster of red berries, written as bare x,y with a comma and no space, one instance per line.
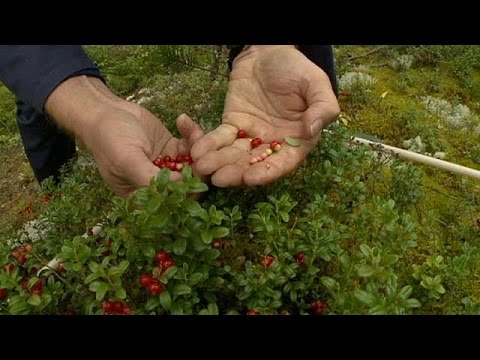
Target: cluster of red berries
176,164
318,307
37,288
164,261
20,253
116,308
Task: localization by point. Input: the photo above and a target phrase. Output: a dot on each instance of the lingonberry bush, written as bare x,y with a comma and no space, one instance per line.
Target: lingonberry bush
351,231
329,239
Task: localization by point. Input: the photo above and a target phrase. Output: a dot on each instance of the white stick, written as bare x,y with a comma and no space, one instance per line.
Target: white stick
424,159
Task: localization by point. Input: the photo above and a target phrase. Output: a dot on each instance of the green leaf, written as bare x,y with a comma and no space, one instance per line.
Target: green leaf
213,309
405,292
94,267
204,312
365,270
198,187
168,274
206,236
181,289
219,232
99,288
18,305
285,216
152,303
179,246
412,303
330,283
154,203
166,300
120,293
194,208
92,277
365,249
195,278
292,141
363,296
34,300
176,309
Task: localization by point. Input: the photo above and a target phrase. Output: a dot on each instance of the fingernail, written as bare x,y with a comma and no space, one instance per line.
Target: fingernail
315,128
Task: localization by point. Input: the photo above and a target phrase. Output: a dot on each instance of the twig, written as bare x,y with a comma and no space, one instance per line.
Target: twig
200,68
352,58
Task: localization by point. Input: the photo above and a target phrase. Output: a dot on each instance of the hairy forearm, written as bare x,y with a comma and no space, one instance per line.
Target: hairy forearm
78,103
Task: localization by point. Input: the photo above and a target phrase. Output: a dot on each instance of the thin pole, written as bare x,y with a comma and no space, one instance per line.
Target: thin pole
423,159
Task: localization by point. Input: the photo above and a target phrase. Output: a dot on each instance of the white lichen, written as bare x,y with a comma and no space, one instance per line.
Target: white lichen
352,79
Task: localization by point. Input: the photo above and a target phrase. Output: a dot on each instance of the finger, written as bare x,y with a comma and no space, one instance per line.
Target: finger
190,132
322,103
230,175
214,160
277,165
222,136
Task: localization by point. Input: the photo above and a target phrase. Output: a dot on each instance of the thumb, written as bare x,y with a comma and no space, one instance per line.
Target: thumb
188,128
318,116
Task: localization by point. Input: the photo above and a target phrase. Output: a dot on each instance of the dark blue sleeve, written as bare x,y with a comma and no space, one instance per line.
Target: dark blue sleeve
32,72
322,55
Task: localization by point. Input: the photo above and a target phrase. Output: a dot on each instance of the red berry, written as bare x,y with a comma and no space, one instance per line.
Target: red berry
267,261
242,134
38,285
117,307
161,255
300,258
167,159
218,244
90,232
273,144
318,307
172,166
3,294
156,288
8,267
256,142
127,310
16,253
158,162
46,198
24,284
107,307
28,209
168,264
146,280
188,159
37,292
178,166
22,259
252,312
180,158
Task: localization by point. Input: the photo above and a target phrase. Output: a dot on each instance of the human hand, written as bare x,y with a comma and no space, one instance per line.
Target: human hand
123,137
273,92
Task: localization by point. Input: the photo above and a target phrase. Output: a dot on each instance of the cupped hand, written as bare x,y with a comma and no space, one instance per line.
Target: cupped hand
273,92
127,141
